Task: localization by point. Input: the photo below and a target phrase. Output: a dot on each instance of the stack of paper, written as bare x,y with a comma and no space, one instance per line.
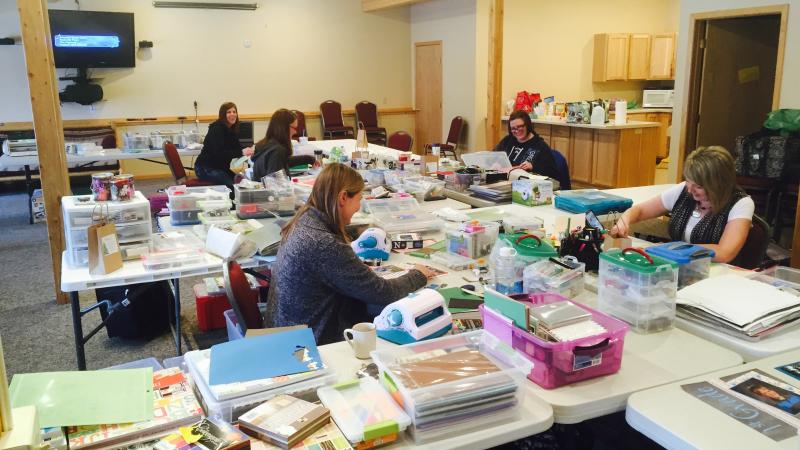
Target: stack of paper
496,192
470,397
739,306
174,405
284,420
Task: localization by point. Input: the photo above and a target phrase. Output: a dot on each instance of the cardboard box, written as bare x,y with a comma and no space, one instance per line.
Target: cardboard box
532,192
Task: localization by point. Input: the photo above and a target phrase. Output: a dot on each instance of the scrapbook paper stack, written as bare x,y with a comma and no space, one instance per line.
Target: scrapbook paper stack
740,306
205,434
174,405
449,385
233,377
284,420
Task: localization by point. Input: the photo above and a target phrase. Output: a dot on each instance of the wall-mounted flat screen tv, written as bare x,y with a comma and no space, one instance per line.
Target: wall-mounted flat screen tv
92,38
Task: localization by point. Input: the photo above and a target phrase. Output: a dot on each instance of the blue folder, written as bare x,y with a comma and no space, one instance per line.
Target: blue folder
266,356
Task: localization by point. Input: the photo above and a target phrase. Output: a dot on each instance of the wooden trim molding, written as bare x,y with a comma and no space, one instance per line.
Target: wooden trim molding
89,123
378,5
46,109
494,89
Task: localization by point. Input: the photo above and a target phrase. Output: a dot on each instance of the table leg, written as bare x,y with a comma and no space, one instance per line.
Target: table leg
77,329
29,189
176,291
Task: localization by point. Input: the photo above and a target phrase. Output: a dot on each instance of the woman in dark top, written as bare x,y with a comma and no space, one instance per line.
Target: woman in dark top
526,149
220,146
317,279
274,152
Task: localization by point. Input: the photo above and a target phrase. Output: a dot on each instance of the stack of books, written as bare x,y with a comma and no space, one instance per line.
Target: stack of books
499,192
739,306
284,420
175,405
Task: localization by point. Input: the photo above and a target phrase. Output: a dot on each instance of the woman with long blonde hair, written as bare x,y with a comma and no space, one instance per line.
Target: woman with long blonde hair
317,278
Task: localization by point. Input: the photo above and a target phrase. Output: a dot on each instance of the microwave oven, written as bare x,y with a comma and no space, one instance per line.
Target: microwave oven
658,98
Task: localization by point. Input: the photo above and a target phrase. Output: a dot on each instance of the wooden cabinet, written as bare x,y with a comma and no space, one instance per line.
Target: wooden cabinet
662,57
610,57
582,149
639,57
622,56
605,151
560,142
543,131
665,119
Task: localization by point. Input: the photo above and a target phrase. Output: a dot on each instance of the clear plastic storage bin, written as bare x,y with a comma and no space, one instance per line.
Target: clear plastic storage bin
530,248
81,211
79,237
638,288
487,160
177,240
78,257
523,225
783,278
401,214
134,250
453,261
454,383
183,197
254,203
694,261
364,411
563,276
173,259
472,239
247,395
560,363
184,217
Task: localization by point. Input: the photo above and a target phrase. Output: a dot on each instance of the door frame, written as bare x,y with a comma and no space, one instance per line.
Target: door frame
693,68
440,43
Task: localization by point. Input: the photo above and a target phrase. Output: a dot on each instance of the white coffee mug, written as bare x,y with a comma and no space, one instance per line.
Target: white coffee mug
303,140
362,338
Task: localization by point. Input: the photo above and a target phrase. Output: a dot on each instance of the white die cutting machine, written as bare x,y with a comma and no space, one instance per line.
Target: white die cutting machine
419,316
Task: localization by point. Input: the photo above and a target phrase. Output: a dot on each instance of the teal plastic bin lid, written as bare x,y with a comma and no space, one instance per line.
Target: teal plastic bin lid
530,245
680,252
636,259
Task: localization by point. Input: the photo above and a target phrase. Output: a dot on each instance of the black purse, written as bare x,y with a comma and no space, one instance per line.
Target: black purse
585,245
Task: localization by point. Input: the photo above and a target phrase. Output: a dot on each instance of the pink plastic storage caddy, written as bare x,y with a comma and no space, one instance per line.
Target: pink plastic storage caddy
560,363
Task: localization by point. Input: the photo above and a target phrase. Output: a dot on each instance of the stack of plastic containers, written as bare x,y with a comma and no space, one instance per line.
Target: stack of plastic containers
599,202
487,160
215,211
472,239
694,261
638,288
183,202
401,214
560,363
563,276
229,401
173,250
523,225
254,201
132,220
453,384
364,411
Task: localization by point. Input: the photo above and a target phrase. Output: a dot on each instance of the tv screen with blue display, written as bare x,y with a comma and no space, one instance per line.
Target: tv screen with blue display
92,38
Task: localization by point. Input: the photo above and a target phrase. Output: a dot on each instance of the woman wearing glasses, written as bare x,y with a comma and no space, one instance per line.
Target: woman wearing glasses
526,149
274,152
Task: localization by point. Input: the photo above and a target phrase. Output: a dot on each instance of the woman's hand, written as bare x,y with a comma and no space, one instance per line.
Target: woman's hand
526,165
429,274
620,229
248,151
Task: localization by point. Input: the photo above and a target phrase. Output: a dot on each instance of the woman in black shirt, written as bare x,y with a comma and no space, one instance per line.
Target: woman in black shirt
526,149
220,146
274,152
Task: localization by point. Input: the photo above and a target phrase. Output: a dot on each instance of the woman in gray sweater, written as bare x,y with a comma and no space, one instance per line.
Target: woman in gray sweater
317,279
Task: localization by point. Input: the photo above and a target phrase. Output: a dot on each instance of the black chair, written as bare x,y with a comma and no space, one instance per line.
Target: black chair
754,251
367,114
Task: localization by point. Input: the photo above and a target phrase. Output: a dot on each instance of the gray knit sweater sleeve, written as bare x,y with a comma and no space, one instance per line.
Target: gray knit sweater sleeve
318,280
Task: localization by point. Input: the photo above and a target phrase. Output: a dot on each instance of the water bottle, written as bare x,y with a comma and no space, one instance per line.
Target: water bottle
505,272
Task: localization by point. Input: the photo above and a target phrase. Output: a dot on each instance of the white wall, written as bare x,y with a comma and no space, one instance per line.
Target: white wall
452,22
790,88
302,52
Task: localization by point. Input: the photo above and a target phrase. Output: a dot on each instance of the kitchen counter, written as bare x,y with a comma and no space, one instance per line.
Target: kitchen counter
648,110
606,126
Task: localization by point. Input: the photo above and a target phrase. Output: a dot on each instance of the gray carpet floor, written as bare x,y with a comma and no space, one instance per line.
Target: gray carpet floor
37,333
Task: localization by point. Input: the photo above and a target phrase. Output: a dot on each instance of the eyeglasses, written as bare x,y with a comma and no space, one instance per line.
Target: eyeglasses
521,127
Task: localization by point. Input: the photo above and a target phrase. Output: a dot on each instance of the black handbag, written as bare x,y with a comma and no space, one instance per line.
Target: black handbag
585,245
767,154
137,311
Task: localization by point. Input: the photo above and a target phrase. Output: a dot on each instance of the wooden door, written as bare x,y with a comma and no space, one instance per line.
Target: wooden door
560,142
639,57
428,94
738,78
604,164
581,164
662,57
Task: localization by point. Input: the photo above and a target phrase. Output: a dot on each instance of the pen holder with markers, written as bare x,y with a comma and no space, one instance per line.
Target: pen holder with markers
585,244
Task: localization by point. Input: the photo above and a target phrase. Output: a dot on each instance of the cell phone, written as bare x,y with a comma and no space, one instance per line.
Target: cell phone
593,221
464,303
